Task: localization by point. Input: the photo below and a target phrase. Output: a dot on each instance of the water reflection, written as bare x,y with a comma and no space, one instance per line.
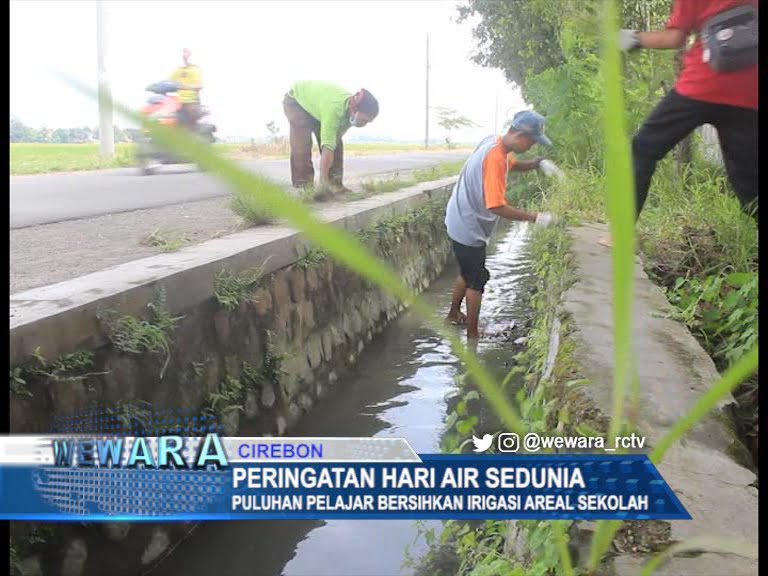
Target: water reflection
403,386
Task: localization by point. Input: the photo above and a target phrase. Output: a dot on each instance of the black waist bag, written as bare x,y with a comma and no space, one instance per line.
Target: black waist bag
729,39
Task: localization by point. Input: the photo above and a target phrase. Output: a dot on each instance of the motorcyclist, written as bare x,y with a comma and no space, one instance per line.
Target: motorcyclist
190,83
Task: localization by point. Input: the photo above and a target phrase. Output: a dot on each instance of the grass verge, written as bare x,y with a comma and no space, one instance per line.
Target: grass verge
250,208
43,158
397,182
280,148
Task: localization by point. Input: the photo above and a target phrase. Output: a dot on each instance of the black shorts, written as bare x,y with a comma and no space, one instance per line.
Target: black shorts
472,265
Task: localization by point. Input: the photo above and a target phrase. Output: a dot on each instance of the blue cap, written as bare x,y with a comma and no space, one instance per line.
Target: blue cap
531,123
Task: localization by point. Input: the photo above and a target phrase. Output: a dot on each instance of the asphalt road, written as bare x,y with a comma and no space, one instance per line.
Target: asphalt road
47,198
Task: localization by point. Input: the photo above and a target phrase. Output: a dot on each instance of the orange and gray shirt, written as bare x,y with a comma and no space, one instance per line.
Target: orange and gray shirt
482,185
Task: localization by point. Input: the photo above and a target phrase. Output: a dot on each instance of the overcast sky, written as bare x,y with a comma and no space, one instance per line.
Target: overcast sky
249,53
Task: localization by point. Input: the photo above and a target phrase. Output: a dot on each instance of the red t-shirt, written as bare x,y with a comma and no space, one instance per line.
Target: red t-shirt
700,81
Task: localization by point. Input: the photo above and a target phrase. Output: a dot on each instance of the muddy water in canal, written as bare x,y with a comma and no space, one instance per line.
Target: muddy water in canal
402,386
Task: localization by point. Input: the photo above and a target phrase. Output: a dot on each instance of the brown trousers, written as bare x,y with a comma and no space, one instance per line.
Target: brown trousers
302,126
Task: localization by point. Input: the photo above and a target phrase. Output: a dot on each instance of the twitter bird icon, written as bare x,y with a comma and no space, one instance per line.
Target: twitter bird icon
482,444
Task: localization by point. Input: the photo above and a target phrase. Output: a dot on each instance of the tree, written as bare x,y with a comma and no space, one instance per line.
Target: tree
550,49
80,134
273,130
133,134
119,134
518,37
44,135
524,38
450,119
20,132
60,136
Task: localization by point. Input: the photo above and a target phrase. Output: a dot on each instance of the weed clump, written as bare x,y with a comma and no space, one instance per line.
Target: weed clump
132,335
66,368
249,209
232,391
136,417
313,257
232,289
228,396
166,240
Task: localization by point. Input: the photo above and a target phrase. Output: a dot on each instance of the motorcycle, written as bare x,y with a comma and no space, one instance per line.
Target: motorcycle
163,105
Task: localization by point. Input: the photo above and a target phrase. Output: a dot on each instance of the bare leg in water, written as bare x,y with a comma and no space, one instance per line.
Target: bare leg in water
459,289
474,299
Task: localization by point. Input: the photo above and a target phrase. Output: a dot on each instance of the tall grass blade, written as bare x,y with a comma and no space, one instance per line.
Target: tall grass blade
621,214
601,541
736,374
559,528
339,243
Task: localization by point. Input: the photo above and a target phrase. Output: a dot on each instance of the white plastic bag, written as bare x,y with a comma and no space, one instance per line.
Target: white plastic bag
544,219
550,169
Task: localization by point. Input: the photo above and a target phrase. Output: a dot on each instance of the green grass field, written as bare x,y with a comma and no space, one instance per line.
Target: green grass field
44,158
280,148
396,182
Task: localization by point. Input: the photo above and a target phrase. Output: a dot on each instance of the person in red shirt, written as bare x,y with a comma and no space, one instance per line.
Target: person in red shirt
702,95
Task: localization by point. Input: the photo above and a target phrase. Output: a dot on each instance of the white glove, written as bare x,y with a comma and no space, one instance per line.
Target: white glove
550,169
544,219
628,40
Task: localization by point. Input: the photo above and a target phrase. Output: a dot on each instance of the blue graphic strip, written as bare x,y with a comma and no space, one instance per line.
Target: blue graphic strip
562,486
140,419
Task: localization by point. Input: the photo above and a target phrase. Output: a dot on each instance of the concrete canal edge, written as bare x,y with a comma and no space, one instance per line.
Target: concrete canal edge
709,469
258,352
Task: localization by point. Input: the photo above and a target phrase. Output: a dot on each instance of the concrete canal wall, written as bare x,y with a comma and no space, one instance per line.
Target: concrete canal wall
252,328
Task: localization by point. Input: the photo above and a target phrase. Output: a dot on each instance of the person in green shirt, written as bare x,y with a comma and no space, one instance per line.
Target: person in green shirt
327,111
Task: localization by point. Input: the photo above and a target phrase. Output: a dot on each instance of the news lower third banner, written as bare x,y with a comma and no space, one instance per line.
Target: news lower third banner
102,478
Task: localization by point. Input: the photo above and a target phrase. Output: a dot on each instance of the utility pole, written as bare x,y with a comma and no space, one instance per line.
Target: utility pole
106,127
426,110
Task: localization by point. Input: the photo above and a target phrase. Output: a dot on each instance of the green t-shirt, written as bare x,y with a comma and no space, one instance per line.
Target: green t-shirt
327,103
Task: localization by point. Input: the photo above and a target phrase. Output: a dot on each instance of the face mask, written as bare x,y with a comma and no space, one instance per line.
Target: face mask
353,120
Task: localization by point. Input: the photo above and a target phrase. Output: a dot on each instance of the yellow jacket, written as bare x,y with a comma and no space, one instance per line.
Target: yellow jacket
188,76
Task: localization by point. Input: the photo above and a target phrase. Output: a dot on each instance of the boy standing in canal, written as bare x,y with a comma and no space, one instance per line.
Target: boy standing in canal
479,200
